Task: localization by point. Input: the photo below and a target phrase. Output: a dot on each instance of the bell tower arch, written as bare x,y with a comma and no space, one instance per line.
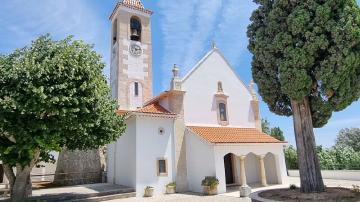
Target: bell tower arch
131,54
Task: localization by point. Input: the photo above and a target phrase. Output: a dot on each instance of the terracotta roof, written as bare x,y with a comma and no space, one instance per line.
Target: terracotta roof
154,108
232,135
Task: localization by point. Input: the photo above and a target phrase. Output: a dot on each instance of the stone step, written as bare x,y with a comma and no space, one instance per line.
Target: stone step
106,198
124,192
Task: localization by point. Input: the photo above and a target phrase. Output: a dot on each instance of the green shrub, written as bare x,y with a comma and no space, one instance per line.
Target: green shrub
171,184
292,187
210,181
334,158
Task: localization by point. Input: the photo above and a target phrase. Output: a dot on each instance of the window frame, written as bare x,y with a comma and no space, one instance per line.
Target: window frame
165,174
221,122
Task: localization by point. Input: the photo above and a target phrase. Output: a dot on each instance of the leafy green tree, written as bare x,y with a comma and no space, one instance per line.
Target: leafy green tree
277,133
349,138
306,63
265,126
291,158
53,95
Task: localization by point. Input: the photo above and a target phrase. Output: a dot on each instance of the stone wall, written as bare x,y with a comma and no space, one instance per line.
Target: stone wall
333,174
78,167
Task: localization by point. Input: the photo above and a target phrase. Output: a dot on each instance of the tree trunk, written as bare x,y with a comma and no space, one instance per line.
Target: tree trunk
20,184
19,190
309,167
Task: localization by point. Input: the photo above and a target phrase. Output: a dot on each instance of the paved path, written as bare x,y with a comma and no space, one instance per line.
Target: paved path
232,194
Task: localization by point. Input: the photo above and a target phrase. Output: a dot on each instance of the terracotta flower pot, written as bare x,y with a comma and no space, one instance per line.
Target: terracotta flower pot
208,191
170,189
149,192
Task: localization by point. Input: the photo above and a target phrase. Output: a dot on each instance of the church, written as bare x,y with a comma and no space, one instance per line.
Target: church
207,123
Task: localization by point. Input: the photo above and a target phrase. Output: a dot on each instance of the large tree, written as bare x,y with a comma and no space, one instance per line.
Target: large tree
349,138
53,95
306,63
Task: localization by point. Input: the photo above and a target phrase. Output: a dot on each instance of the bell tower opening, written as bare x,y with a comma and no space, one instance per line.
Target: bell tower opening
114,33
135,29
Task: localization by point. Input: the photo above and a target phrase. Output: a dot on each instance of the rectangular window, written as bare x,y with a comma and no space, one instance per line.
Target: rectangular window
162,167
136,89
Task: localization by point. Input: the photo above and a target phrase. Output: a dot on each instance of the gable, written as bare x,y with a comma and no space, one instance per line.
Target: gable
201,84
214,59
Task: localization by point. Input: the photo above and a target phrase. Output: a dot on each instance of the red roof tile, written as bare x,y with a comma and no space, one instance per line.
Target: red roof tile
232,135
154,108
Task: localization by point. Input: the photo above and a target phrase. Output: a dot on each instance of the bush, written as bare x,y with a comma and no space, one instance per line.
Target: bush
210,181
335,158
171,184
292,187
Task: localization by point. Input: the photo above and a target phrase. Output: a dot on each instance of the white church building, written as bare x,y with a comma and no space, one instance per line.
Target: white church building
207,124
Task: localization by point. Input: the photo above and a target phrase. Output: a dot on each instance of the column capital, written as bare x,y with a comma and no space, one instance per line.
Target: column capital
242,157
261,157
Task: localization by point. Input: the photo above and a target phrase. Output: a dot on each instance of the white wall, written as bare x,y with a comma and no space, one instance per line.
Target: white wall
201,86
271,174
200,161
252,169
151,146
124,157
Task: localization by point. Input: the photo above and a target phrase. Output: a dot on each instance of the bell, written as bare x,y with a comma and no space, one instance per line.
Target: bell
134,35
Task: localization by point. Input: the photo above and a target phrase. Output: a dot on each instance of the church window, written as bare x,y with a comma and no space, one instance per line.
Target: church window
136,88
222,112
114,37
162,167
135,29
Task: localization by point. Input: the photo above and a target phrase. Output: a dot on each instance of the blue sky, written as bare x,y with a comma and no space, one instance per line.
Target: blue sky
182,34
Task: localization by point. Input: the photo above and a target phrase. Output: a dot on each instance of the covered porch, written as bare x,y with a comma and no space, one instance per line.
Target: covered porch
254,165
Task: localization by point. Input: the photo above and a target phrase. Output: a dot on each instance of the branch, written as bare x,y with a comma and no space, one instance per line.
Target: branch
9,172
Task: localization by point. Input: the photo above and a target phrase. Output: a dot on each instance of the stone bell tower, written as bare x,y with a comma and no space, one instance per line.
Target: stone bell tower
131,54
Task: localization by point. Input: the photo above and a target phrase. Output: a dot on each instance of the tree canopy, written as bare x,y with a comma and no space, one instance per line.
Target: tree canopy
308,49
349,138
275,132
53,95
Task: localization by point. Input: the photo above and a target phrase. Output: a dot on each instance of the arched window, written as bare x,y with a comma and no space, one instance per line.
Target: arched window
135,29
136,89
222,112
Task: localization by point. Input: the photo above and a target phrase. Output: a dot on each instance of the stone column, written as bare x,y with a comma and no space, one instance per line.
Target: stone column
242,172
262,170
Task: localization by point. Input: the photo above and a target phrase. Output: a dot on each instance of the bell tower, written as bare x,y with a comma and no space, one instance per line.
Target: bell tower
131,54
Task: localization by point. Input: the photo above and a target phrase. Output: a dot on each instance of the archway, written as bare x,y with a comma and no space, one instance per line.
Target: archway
252,168
270,169
229,168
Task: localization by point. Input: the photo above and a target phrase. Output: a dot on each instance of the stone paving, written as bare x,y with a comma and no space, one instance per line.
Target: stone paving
232,194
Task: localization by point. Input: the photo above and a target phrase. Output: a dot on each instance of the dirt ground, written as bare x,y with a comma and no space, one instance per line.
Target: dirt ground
330,195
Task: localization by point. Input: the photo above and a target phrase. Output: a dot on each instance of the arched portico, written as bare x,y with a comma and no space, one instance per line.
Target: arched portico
251,169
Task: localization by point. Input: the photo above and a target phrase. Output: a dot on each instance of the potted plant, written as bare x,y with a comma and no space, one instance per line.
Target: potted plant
210,185
170,188
149,191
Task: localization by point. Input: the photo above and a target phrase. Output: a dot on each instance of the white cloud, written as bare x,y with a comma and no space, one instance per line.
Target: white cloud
189,27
